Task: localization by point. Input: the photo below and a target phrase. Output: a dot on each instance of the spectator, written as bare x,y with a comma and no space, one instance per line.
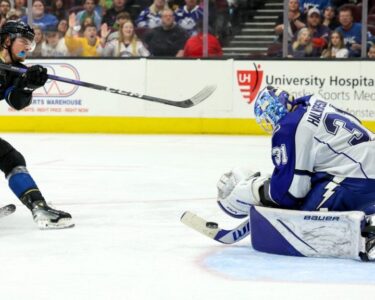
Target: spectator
20,8
120,20
371,51
329,18
151,16
126,45
88,12
336,47
167,40
194,45
4,8
295,18
53,45
58,9
303,46
40,18
306,5
38,39
62,27
88,45
351,31
118,6
188,16
319,32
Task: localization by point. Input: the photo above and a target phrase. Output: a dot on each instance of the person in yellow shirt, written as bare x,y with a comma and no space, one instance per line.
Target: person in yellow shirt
87,45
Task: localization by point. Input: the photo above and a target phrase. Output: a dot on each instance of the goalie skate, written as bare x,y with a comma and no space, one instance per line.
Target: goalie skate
48,218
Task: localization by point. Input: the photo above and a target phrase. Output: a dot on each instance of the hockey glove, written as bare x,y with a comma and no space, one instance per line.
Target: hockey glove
238,190
35,77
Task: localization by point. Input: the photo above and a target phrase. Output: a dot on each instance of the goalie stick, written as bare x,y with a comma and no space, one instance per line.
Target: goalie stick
7,210
213,231
198,98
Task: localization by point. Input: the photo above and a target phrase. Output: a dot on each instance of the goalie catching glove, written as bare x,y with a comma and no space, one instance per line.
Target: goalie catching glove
238,190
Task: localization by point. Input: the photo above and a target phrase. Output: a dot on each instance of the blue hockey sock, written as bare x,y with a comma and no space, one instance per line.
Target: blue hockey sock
20,181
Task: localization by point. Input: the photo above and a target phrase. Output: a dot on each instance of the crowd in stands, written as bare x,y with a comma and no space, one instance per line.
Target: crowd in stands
173,28
120,28
325,28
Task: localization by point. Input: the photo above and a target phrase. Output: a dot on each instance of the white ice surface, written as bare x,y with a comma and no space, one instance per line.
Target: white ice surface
126,194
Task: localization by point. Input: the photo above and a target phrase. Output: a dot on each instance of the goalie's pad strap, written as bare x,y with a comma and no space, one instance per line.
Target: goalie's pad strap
305,233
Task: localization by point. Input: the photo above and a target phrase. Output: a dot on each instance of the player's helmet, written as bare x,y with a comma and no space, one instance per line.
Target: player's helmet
271,106
15,29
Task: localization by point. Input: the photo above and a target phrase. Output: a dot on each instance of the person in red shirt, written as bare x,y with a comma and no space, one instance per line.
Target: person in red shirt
194,45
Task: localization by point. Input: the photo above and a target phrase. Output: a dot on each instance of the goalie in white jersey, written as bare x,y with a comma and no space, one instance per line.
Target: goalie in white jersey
324,159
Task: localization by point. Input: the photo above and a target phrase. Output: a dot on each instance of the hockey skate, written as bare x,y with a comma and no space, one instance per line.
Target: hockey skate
48,218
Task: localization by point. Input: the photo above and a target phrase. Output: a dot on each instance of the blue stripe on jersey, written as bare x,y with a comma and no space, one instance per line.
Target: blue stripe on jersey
344,154
283,157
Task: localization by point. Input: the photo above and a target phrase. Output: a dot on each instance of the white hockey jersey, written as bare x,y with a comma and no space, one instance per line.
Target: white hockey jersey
318,140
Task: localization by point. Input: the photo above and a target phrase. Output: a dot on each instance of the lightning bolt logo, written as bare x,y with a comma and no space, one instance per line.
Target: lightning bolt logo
330,190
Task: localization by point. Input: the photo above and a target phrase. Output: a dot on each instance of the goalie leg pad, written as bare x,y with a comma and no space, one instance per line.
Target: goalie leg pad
310,234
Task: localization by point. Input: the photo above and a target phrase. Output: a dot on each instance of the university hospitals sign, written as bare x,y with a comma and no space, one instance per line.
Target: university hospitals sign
348,85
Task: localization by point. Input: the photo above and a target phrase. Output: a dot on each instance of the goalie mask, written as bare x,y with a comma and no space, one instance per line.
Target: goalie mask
271,106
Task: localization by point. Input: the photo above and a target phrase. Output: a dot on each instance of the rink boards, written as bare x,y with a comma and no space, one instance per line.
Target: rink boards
61,107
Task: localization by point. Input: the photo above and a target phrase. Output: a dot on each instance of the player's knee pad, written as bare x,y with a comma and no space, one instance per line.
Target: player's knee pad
11,160
238,190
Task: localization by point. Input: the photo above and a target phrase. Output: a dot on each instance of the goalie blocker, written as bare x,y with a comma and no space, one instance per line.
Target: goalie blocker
309,234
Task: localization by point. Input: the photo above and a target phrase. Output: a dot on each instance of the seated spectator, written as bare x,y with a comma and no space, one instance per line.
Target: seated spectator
151,16
20,8
371,52
303,46
38,39
167,40
188,16
105,5
126,45
295,18
53,45
329,17
88,45
319,32
118,6
40,18
306,5
120,20
5,8
89,12
194,45
336,47
62,27
351,31
58,9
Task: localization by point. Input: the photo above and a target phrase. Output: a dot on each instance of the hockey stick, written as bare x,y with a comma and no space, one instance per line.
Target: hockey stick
213,231
198,98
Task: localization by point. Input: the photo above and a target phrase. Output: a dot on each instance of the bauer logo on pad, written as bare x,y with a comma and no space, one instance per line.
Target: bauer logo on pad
249,82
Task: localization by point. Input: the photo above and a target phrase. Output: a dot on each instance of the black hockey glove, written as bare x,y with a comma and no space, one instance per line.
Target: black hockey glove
35,77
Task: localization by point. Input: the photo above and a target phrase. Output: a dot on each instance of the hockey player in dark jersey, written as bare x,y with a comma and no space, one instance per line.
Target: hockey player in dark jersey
16,39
